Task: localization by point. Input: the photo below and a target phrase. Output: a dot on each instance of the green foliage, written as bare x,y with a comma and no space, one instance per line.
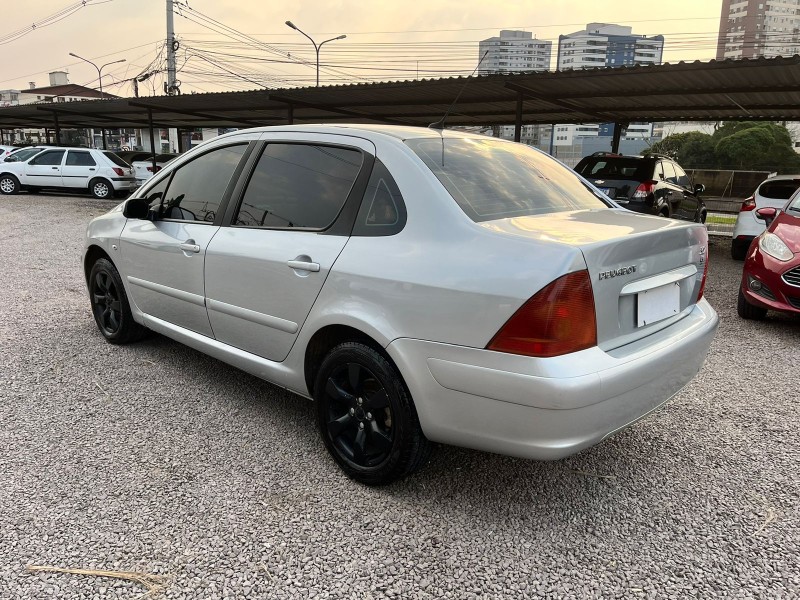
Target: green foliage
745,145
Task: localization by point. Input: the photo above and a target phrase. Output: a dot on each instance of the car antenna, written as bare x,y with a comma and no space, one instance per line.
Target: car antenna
440,123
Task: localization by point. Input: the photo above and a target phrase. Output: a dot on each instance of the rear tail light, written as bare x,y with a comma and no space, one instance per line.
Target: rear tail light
645,189
704,249
748,204
153,169
558,319
118,171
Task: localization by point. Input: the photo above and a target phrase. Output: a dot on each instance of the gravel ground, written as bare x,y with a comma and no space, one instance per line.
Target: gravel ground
156,459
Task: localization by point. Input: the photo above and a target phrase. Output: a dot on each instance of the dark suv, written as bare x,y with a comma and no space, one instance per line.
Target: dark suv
651,184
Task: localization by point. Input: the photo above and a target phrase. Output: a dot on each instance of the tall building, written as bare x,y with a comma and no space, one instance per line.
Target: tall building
607,45
514,52
756,28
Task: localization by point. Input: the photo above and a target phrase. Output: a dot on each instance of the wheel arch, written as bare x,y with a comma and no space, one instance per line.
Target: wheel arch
93,254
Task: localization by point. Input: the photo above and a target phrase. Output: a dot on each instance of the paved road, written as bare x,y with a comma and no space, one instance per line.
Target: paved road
156,459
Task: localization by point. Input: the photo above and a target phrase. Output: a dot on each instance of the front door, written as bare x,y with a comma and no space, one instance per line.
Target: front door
265,271
163,260
44,170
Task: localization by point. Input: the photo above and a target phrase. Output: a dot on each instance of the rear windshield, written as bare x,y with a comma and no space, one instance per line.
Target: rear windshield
165,157
490,179
116,160
779,190
615,167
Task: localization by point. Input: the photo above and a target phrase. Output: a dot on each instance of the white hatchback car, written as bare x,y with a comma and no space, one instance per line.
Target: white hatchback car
418,285
773,192
99,172
143,168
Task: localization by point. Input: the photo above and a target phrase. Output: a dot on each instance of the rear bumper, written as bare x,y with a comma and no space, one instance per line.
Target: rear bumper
549,408
124,183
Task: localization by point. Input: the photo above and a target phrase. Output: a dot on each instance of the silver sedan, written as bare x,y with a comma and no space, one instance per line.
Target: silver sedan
419,285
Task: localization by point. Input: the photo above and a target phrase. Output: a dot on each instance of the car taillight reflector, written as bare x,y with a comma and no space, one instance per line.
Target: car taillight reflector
748,204
558,319
705,266
118,171
645,189
153,169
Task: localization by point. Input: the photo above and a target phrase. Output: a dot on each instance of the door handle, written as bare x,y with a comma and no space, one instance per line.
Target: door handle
91,168
55,168
301,265
189,246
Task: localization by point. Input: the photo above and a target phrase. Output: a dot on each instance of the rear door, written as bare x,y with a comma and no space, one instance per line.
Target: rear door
44,170
687,209
265,270
78,168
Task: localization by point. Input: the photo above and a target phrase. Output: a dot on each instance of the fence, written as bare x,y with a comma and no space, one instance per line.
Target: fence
724,194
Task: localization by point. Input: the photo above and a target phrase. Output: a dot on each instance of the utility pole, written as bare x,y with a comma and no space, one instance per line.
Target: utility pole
171,47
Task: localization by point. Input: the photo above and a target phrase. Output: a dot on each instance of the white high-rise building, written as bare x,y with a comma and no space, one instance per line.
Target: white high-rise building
514,52
758,28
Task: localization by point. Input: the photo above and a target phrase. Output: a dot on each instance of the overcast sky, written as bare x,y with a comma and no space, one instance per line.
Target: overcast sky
386,40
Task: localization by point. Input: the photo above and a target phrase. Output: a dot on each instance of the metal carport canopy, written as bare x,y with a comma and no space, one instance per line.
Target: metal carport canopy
758,89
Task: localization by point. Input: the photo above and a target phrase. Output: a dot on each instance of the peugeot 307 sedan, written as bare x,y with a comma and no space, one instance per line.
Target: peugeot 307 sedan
419,285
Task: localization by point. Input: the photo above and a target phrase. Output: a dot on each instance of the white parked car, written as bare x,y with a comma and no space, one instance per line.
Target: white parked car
774,193
143,167
99,172
418,285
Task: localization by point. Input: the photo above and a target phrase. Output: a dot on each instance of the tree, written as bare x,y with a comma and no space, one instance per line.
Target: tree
691,150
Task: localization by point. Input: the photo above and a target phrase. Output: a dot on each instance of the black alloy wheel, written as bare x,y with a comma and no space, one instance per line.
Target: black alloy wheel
366,417
110,306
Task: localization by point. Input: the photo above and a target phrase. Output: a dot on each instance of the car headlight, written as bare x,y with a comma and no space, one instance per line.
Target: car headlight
773,245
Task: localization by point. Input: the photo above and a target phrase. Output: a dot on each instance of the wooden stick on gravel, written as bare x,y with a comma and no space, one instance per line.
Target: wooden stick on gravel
154,584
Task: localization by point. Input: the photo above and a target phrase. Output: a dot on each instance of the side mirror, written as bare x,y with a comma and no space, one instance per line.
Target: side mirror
767,214
136,208
699,188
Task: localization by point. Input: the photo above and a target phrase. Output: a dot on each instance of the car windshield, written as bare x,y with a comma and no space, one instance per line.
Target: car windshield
116,160
23,154
615,167
781,189
491,179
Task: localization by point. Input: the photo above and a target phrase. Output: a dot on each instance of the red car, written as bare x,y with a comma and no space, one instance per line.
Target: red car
771,276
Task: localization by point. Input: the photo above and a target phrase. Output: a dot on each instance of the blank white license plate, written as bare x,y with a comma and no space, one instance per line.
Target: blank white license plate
657,304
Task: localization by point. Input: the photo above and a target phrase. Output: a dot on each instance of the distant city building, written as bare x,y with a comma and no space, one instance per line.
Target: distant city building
607,45
514,52
758,28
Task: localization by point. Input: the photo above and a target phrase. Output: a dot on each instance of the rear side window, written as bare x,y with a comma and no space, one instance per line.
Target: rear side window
49,157
669,173
299,185
682,177
197,188
614,167
79,159
490,179
116,160
382,211
779,190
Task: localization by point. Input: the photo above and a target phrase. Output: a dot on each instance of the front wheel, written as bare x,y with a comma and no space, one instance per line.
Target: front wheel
9,184
101,189
366,416
110,306
748,311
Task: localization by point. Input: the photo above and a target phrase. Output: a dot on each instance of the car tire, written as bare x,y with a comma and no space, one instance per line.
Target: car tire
110,306
366,416
748,311
9,184
101,189
739,250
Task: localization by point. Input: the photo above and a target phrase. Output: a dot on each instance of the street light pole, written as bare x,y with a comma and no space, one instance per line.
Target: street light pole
99,69
316,47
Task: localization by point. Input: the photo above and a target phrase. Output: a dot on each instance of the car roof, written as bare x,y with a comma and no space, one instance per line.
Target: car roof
781,178
400,132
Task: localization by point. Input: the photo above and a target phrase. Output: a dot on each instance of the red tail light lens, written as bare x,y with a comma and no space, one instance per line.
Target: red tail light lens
153,169
118,171
645,189
558,320
705,266
748,204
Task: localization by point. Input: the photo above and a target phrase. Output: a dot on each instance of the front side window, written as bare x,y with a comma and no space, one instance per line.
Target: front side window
79,159
490,179
197,188
299,185
51,157
23,155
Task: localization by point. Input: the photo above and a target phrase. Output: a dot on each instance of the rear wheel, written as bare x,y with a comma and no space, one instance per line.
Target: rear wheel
110,306
9,184
101,189
366,416
748,311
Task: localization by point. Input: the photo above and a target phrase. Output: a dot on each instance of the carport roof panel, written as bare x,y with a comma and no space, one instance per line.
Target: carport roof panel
758,89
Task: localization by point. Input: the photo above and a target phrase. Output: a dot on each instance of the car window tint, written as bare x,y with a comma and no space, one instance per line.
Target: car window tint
116,160
50,157
79,159
156,193
490,179
382,211
682,177
22,155
658,174
197,187
614,167
299,185
779,190
669,172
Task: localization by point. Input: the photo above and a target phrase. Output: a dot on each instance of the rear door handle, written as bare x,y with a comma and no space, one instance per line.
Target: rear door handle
301,265
55,168
189,246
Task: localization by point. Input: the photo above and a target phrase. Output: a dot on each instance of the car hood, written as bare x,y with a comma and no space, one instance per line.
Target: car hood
787,227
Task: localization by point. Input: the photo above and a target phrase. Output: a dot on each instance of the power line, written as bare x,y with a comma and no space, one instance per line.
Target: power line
49,20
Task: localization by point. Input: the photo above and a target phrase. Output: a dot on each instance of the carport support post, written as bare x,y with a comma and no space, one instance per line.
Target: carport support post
47,135
152,136
290,117
58,130
105,146
181,149
615,139
518,122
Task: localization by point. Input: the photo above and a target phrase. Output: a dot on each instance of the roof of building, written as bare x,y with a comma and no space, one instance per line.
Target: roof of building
69,89
757,89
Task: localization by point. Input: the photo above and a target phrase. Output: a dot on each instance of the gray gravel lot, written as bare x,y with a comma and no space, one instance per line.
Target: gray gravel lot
155,458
